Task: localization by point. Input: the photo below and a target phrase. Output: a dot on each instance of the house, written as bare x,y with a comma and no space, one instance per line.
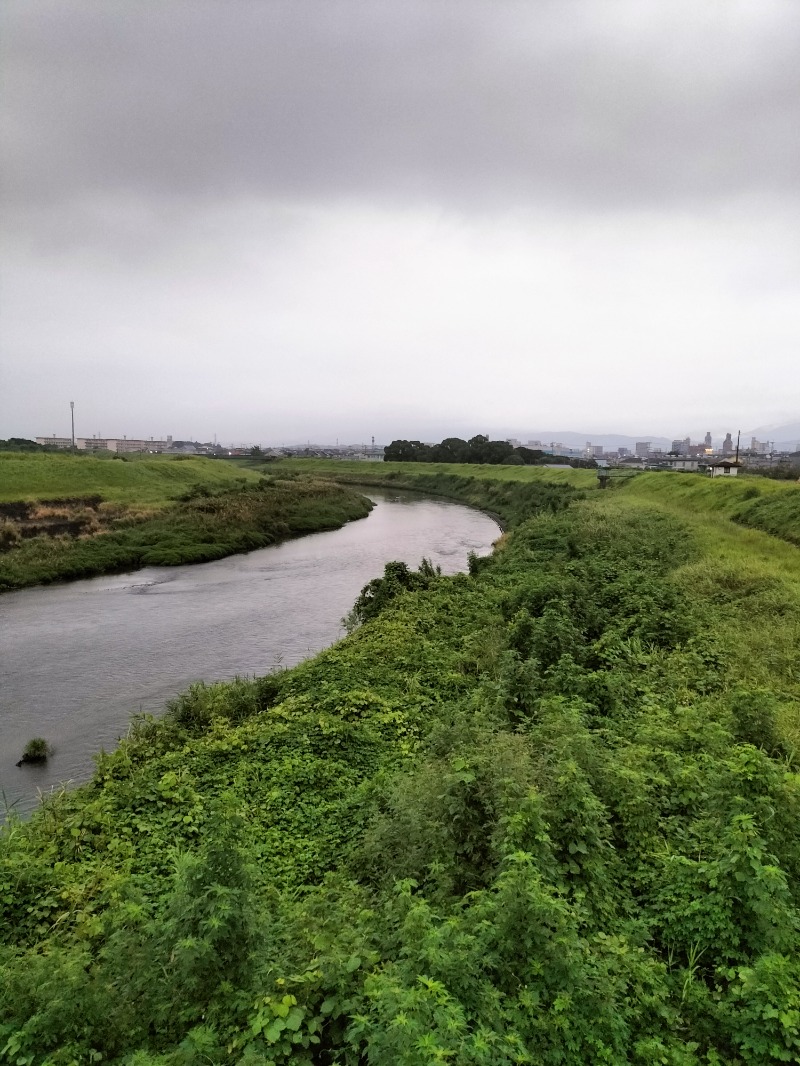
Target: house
725,468
682,462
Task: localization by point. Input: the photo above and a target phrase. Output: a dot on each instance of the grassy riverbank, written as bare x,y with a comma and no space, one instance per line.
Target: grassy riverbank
761,503
150,513
367,472
509,492
758,502
542,813
153,481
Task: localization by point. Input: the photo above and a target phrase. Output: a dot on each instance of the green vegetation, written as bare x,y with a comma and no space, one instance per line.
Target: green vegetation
36,750
213,511
542,813
405,475
153,481
20,444
769,505
478,449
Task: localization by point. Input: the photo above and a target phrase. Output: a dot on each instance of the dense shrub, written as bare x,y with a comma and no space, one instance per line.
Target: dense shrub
203,527
541,814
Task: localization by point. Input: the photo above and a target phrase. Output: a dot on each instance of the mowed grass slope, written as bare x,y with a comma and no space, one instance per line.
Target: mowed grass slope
772,506
365,473
152,481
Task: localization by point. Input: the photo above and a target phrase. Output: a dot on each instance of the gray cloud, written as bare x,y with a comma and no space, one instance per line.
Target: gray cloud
482,104
278,218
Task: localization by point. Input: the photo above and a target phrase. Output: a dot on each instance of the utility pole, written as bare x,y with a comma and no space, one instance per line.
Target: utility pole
72,416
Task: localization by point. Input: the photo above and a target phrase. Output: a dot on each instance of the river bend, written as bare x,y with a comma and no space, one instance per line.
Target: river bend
77,660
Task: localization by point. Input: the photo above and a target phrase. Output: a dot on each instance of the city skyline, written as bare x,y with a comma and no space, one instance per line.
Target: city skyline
783,437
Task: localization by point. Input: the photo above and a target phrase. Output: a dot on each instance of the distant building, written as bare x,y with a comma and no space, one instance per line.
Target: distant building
151,445
55,442
555,447
108,444
681,447
682,462
727,445
633,462
643,448
724,468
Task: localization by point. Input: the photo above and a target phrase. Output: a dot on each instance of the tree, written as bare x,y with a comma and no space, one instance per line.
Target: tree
452,450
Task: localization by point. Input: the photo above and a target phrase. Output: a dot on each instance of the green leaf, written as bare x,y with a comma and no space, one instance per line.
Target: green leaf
273,1031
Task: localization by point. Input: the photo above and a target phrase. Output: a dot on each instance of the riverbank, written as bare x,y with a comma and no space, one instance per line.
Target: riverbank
757,502
212,511
509,493
133,480
164,629
545,812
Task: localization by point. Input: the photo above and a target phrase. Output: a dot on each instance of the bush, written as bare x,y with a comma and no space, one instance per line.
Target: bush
36,750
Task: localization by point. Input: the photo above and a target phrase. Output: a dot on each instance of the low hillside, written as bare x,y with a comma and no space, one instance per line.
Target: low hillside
365,472
132,480
158,512
759,502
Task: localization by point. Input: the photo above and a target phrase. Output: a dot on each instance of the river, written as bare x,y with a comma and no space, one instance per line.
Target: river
77,660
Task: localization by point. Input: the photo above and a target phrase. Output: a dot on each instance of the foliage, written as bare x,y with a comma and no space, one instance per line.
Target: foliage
397,578
20,444
203,526
36,750
543,813
455,450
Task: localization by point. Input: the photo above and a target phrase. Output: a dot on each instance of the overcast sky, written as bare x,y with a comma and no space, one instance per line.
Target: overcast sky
278,221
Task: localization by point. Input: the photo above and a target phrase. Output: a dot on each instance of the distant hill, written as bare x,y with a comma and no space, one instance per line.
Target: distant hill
785,436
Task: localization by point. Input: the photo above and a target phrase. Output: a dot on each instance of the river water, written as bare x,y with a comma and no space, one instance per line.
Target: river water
77,660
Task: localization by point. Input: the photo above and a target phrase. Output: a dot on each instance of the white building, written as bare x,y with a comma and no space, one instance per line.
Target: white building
725,468
107,444
55,442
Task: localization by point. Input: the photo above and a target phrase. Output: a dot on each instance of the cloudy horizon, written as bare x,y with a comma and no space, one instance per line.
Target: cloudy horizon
281,221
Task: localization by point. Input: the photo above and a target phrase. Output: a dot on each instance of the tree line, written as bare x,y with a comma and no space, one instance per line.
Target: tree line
478,449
